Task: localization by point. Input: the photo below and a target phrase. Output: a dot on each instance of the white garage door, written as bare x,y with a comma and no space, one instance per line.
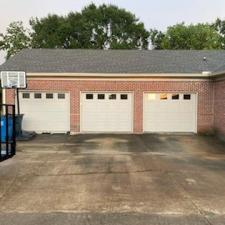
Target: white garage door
170,112
106,112
45,111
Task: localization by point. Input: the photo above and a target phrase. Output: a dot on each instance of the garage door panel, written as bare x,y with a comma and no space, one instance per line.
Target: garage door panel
169,115
106,115
46,115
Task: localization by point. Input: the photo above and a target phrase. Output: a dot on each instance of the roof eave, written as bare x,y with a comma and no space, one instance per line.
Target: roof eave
218,74
119,75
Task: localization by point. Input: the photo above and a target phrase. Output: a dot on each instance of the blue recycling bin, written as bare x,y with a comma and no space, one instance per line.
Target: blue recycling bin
3,128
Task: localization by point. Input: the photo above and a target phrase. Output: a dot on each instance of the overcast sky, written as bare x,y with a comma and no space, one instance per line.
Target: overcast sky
154,13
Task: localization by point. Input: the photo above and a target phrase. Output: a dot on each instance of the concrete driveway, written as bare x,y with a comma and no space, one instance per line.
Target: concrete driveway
114,179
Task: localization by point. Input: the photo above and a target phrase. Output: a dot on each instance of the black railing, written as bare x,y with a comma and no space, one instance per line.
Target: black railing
7,131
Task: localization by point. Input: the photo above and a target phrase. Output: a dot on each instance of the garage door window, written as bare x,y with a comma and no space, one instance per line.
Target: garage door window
49,96
101,96
163,97
123,97
175,96
26,95
61,96
37,95
112,96
89,96
187,97
151,97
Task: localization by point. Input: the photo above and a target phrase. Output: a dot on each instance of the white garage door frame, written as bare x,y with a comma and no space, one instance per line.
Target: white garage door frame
172,92
52,91
107,92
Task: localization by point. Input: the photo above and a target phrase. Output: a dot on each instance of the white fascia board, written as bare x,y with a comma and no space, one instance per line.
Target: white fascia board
122,75
222,73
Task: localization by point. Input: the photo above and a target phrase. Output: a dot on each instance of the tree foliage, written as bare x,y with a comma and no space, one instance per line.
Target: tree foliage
181,36
156,37
47,32
108,27
103,27
15,39
219,26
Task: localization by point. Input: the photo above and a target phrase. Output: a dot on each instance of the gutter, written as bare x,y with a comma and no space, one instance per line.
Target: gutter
218,75
203,75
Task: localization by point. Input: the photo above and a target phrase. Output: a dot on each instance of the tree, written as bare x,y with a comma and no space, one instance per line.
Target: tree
15,39
219,25
181,36
114,28
156,37
48,32
103,27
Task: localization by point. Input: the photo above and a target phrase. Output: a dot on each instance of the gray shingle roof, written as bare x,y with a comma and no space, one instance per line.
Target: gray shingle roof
115,61
220,69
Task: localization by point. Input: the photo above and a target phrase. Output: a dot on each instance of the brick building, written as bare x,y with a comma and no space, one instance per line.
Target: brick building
125,91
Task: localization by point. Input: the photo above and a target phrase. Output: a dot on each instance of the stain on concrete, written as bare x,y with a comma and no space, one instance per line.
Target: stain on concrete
146,174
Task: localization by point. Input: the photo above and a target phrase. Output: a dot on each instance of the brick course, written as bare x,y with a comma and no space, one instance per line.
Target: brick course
204,89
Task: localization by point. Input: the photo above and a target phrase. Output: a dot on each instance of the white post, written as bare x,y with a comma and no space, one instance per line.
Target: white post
3,100
3,96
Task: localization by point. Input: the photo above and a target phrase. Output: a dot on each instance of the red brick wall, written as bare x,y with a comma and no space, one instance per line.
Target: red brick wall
219,107
204,89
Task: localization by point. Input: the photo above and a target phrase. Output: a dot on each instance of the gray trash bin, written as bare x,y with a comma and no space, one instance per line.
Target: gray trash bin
19,119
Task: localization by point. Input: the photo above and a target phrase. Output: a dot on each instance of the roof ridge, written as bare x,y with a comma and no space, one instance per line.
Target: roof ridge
137,50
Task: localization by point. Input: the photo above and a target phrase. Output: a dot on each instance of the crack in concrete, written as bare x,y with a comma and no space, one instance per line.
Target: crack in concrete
96,173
